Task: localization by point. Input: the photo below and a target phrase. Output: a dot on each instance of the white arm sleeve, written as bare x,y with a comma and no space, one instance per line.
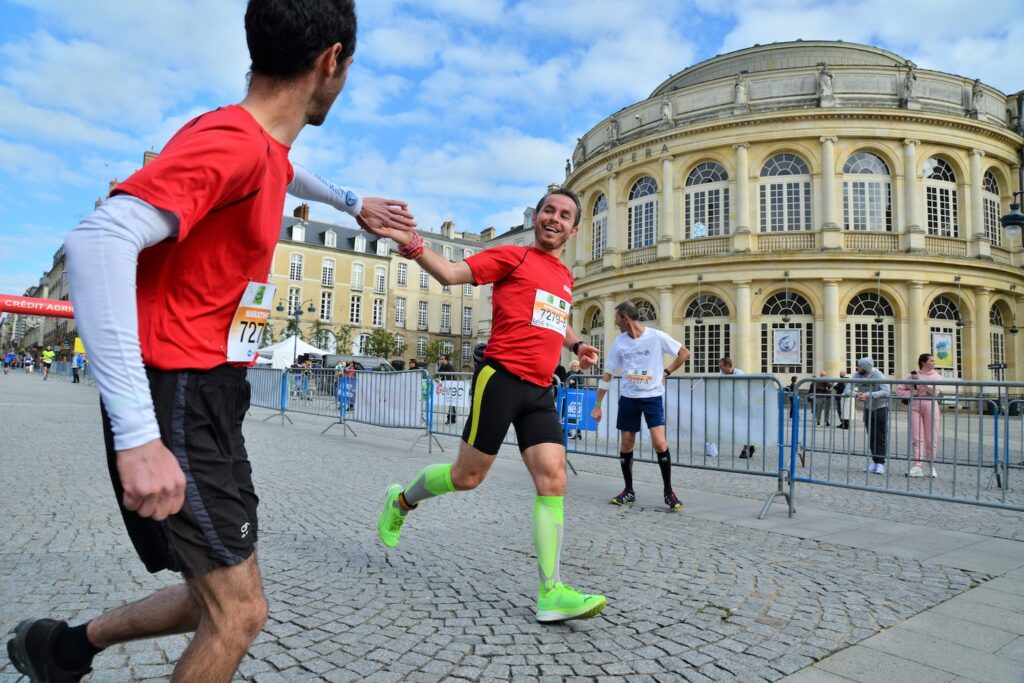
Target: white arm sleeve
308,185
102,259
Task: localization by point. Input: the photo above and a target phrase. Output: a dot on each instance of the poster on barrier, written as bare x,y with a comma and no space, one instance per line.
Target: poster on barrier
345,393
453,393
578,405
390,399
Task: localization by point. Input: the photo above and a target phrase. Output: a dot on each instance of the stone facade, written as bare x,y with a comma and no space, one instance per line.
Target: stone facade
822,187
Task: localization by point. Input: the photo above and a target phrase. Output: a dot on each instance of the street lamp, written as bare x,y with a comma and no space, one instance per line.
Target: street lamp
297,314
1013,222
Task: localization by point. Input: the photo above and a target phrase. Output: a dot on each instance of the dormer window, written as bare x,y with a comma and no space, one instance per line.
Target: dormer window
383,247
298,233
330,239
360,243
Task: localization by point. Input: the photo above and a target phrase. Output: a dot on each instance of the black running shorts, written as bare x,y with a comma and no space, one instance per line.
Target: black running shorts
499,399
200,416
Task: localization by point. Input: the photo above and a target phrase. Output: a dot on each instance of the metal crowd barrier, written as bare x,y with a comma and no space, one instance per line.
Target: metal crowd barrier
62,369
962,432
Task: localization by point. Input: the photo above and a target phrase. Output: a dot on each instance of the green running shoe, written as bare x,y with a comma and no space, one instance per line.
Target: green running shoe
563,602
390,521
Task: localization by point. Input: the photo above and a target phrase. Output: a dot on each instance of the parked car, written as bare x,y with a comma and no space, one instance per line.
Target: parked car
371,363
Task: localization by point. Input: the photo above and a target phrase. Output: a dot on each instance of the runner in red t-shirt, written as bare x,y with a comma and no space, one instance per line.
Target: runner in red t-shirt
171,271
532,296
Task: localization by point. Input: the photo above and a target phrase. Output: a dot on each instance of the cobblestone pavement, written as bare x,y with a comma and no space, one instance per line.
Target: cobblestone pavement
689,599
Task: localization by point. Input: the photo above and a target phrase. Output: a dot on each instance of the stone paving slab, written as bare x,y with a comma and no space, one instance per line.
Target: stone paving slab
690,598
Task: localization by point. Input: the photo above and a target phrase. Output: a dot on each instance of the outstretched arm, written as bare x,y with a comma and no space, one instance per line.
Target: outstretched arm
371,212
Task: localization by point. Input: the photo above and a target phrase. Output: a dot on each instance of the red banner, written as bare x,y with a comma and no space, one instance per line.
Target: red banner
27,306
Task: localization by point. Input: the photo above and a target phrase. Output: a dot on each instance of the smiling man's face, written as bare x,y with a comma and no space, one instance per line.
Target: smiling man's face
553,224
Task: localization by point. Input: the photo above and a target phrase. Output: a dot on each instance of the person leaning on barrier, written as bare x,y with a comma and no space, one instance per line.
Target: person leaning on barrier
844,405
876,409
822,401
639,353
925,414
725,367
445,373
530,327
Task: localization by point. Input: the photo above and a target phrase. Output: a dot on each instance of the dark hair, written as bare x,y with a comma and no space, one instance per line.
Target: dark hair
725,361
627,309
923,358
286,36
565,192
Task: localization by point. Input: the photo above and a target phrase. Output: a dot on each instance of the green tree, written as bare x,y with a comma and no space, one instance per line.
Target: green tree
343,339
269,336
381,343
435,350
318,334
293,328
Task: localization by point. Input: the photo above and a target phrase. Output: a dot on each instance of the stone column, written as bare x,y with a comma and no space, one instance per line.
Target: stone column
668,323
741,202
608,310
982,352
832,237
742,343
616,227
1014,353
978,245
668,240
912,200
834,343
918,334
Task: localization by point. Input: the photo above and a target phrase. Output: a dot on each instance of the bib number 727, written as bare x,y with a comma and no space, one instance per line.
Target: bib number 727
250,319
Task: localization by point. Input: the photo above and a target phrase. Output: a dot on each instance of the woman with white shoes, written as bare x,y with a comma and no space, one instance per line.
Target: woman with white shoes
925,414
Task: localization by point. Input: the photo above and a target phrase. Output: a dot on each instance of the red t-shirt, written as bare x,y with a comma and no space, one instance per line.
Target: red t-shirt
224,177
532,296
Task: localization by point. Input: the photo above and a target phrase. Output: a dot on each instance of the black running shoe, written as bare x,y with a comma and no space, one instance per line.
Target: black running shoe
31,652
624,498
673,501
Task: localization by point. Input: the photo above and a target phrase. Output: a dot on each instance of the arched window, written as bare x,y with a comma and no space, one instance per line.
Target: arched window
447,348
599,228
990,209
467,352
706,333
867,193
946,336
642,213
787,335
646,312
706,201
421,347
399,344
997,344
597,336
871,331
785,193
940,198
360,344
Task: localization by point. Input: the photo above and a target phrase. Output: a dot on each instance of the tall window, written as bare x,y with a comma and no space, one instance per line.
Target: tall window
990,209
800,318
421,316
360,344
403,274
597,337
785,192
467,320
327,306
330,239
294,296
360,243
378,312
706,333
467,352
421,347
706,201
446,317
383,247
447,348
871,331
642,213
380,276
295,268
357,276
355,309
940,198
400,311
467,289
399,344
942,316
424,279
327,273
867,193
447,252
599,228
997,343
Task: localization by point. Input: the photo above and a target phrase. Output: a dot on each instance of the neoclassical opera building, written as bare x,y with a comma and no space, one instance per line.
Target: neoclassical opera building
799,205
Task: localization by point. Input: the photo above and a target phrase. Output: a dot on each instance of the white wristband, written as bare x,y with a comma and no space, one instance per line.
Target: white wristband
601,384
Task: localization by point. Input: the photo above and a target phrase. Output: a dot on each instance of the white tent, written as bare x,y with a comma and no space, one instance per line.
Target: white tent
284,352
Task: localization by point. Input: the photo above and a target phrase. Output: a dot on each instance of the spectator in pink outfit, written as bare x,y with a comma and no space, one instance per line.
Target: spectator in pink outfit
925,414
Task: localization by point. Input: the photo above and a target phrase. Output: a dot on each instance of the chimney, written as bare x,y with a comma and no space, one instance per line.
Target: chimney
302,212
148,158
448,229
487,234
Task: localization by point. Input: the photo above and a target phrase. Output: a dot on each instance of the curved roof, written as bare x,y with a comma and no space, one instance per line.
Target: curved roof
779,56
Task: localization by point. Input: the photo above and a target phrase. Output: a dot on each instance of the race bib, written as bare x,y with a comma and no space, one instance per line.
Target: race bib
550,312
640,378
251,317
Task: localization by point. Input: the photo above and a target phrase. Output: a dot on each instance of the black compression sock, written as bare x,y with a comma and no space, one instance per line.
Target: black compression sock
73,651
626,462
665,463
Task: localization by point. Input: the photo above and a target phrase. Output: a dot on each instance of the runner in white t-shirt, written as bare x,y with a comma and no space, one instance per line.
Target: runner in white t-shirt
639,353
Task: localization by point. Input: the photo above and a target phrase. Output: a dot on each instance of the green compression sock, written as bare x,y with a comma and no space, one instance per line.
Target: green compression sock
548,520
433,480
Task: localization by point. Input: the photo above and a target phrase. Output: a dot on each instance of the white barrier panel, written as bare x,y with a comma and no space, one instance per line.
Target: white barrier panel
451,393
390,399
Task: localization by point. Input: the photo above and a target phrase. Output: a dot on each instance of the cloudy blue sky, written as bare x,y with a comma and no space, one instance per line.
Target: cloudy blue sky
466,108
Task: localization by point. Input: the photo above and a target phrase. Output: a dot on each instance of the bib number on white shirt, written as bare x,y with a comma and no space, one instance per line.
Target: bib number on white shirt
640,378
551,312
250,319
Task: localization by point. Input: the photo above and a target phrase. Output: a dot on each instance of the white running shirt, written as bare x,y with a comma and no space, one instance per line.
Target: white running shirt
642,362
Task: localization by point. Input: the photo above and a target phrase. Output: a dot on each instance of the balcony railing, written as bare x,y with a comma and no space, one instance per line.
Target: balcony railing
640,256
871,241
1000,255
594,267
946,246
785,241
706,246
